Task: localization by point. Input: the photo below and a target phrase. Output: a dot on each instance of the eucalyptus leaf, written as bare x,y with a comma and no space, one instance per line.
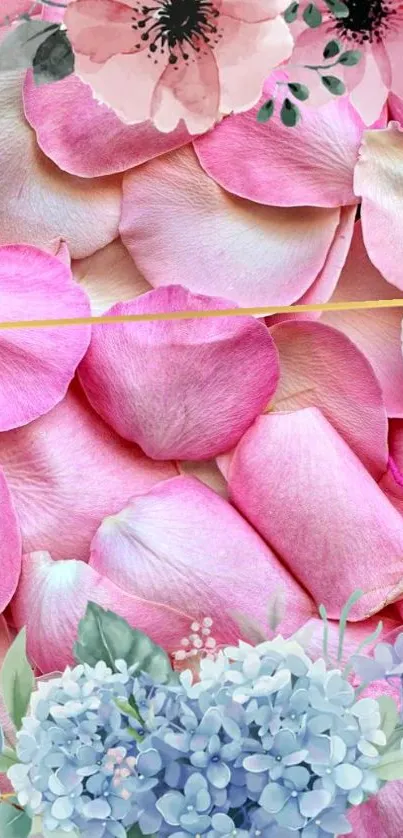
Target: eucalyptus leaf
266,111
312,16
54,60
17,679
389,715
19,47
390,766
331,49
291,13
13,822
350,57
104,636
8,757
338,8
289,114
334,85
300,91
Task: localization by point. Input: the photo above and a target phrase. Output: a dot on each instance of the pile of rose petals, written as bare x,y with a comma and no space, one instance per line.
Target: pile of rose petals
175,470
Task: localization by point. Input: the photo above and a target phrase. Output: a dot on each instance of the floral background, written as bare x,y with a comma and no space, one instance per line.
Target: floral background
181,470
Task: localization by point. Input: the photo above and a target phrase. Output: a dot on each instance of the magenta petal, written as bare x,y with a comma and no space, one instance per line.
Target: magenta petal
381,815
36,366
52,598
87,138
253,255
184,545
182,389
66,471
10,545
312,500
321,367
272,165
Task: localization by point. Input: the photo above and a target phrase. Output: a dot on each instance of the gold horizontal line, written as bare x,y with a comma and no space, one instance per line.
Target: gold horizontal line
263,311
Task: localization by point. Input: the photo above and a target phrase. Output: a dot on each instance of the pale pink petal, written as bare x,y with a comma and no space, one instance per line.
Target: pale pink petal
182,389
308,51
395,104
10,545
375,331
274,165
5,720
101,28
95,141
392,481
109,276
381,816
253,11
182,544
245,55
179,226
66,471
52,598
393,48
37,365
12,9
378,181
41,205
312,500
321,367
188,91
208,472
370,94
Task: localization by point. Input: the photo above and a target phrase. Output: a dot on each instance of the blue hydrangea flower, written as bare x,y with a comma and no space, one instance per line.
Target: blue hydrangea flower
188,811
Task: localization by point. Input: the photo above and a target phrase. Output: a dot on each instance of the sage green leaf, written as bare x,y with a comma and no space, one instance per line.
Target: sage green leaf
251,630
54,60
300,91
13,822
389,715
17,679
350,57
291,13
135,832
103,636
289,114
338,8
390,766
8,757
19,47
331,49
312,16
266,111
393,743
334,85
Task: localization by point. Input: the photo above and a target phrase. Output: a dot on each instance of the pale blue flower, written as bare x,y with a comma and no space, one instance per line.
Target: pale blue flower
188,811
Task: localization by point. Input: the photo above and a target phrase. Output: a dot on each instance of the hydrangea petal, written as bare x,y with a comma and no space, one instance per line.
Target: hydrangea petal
66,471
253,255
221,565
287,472
131,371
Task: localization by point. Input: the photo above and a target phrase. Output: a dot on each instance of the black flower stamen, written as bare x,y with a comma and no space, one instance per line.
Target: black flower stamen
367,21
182,26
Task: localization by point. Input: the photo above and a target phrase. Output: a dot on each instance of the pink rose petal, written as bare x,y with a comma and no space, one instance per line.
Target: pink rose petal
95,142
10,545
270,164
66,471
5,721
322,368
52,598
310,497
182,389
381,815
378,181
184,545
41,205
37,365
377,332
179,226
109,276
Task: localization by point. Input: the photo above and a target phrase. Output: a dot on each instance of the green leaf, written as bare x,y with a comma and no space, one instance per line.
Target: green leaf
13,822
334,85
17,679
19,47
8,757
103,636
276,604
266,111
128,709
289,114
331,49
351,57
300,91
291,12
338,8
135,832
251,630
389,715
312,16
54,60
390,766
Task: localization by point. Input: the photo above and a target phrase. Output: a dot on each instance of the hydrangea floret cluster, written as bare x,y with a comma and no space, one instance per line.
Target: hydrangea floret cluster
263,742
